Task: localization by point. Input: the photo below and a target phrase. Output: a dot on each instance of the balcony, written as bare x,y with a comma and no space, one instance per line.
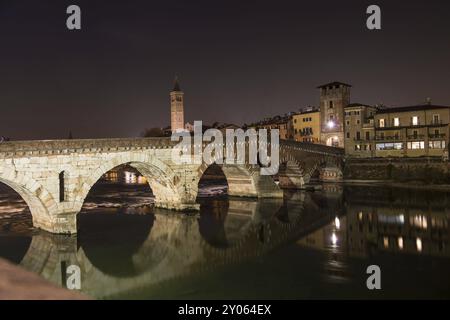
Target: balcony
437,136
389,138
437,123
416,136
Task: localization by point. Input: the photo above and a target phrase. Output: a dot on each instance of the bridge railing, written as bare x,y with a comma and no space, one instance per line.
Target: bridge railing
84,144
43,146
313,147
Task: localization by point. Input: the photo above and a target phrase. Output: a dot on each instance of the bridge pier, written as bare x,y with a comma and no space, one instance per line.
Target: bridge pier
64,223
331,174
177,205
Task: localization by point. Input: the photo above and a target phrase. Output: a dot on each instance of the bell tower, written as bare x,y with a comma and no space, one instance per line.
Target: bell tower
334,97
176,107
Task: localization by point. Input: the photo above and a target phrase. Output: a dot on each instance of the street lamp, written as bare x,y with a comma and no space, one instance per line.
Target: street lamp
330,124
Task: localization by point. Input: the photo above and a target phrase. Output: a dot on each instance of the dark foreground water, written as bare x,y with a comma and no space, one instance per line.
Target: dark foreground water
309,245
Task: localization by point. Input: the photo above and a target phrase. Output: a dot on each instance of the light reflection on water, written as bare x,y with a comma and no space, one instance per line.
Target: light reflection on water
310,245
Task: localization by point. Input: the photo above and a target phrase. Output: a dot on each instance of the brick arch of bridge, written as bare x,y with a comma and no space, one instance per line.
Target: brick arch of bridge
39,201
298,166
163,181
240,178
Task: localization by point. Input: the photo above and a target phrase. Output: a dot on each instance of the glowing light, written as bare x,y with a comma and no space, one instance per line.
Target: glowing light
419,244
330,124
334,239
337,223
400,243
386,242
130,177
419,221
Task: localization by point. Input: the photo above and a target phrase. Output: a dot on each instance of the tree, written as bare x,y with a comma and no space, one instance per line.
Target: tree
153,132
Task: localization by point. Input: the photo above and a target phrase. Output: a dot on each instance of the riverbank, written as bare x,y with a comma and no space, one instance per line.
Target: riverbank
19,284
426,171
395,184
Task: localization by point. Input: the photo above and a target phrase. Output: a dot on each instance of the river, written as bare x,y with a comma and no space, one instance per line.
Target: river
310,245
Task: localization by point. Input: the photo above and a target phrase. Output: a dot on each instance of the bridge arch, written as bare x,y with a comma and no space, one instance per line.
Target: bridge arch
298,165
245,180
163,181
39,201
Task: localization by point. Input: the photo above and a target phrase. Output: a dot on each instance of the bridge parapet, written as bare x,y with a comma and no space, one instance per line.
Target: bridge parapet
44,147
313,148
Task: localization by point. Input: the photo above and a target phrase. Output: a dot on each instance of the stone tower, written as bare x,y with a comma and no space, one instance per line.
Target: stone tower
176,107
334,97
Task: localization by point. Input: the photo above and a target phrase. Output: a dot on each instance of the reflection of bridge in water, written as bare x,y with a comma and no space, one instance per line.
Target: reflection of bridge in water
172,246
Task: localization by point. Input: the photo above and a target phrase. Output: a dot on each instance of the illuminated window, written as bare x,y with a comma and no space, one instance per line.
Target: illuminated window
386,242
436,144
389,146
396,122
436,119
416,145
418,221
419,244
381,123
400,243
415,120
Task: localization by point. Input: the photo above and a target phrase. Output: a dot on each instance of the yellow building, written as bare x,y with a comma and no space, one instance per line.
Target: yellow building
359,130
413,131
282,123
306,126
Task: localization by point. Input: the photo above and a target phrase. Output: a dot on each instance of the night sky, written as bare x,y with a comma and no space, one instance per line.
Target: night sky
237,61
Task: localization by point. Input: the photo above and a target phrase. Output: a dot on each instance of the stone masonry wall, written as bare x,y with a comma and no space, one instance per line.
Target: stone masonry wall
424,170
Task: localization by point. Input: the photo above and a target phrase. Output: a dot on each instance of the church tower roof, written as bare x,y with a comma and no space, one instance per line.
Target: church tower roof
176,84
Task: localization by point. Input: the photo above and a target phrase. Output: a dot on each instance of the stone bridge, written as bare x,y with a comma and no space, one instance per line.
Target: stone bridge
55,176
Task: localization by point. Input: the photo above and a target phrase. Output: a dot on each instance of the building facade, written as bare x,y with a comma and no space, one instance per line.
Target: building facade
359,129
282,123
306,126
334,97
413,131
176,107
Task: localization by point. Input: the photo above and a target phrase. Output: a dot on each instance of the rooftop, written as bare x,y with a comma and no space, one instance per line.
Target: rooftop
351,105
413,108
176,84
308,111
335,83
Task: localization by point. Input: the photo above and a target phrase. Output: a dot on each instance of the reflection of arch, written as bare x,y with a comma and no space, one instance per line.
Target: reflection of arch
211,223
172,250
117,235
14,248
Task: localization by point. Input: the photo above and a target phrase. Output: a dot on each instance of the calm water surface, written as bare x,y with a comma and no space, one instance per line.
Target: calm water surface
308,245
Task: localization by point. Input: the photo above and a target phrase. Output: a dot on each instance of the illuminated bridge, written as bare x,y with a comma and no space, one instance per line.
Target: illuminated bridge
55,176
